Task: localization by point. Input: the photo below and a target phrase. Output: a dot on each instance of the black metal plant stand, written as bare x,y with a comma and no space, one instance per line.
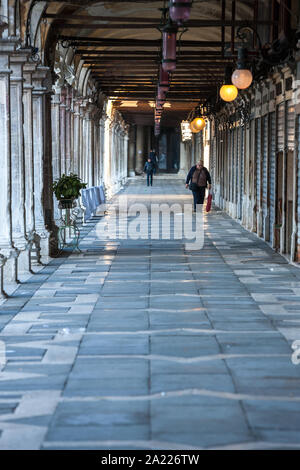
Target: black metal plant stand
68,232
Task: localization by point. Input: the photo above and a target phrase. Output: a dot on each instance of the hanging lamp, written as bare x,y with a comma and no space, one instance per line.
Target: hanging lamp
242,77
164,82
169,47
180,10
198,122
228,92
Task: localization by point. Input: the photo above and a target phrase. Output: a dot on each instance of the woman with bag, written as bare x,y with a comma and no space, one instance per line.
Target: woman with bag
197,180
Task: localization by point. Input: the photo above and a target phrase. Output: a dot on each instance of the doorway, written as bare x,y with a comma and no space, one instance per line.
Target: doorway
169,150
289,203
279,199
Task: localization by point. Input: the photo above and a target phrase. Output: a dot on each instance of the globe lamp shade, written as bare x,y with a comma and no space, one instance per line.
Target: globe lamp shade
228,92
180,10
194,130
198,123
242,78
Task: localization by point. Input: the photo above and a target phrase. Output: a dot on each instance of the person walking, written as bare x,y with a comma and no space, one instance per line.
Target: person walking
148,168
153,158
197,180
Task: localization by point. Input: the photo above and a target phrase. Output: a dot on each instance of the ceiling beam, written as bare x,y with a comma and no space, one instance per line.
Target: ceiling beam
111,26
152,97
153,90
140,61
150,82
153,66
133,42
154,53
154,22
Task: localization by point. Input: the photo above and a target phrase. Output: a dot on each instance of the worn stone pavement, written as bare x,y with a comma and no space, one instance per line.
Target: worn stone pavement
139,344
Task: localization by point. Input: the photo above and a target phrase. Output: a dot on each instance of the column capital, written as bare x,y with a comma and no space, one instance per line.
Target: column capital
55,100
41,79
20,56
29,67
9,252
3,260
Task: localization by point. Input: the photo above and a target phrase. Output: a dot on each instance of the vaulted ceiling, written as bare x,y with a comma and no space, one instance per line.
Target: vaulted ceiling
120,41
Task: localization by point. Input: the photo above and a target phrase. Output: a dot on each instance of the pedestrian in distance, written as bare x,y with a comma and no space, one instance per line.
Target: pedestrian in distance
197,180
148,169
153,158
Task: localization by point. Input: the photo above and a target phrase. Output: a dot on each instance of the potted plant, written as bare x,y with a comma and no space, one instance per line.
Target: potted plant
67,189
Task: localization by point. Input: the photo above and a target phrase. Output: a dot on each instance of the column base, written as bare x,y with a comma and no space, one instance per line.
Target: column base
43,248
10,270
24,260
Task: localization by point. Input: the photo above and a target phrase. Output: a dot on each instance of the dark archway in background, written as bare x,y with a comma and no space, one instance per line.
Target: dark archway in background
168,150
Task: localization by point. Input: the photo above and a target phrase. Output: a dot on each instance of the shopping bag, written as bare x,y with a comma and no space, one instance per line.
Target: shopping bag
209,201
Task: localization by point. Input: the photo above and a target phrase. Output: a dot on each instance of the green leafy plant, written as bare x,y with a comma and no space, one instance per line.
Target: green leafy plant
68,187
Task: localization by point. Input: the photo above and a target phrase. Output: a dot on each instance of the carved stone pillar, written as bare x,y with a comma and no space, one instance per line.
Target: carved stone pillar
42,179
83,164
102,140
76,135
139,165
112,156
184,159
63,130
126,148
17,62
131,150
68,130
96,120
7,250
28,70
56,146
107,156
91,112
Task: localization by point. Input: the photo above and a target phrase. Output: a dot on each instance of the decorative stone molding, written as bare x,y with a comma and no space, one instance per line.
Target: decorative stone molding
64,72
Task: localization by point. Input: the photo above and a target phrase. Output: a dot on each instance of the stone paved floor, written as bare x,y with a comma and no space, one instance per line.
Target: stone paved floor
139,344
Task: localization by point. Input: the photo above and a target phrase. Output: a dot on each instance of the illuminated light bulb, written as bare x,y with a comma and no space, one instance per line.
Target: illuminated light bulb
194,130
228,92
198,123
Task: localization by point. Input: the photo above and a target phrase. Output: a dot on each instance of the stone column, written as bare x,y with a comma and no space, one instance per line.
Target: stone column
7,250
116,156
102,137
112,159
131,150
28,70
97,147
88,140
76,135
184,160
40,164
72,112
56,146
83,154
68,130
63,107
125,154
139,165
18,162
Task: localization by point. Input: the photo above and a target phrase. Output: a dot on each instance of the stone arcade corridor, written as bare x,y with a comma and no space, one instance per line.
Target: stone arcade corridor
142,345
